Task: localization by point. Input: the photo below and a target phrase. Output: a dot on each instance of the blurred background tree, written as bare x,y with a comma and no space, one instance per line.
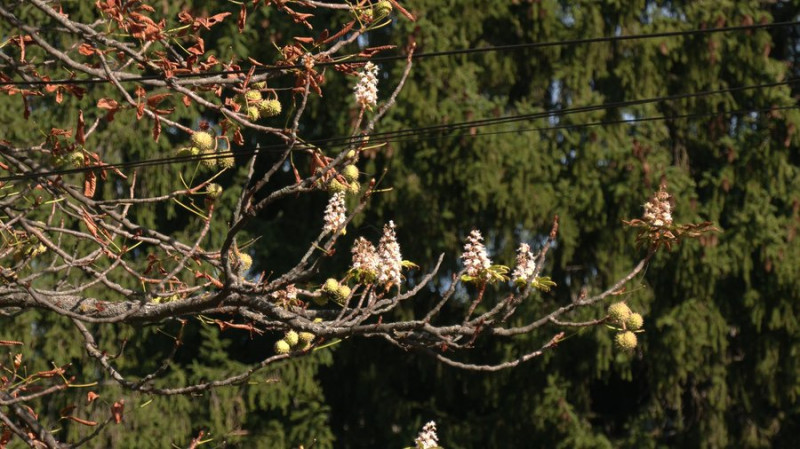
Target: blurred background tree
717,365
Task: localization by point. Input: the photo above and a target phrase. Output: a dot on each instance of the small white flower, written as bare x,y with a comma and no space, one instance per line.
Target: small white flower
335,212
391,262
525,264
366,90
427,438
475,259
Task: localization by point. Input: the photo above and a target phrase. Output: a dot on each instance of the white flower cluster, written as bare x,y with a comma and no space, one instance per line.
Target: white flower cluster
427,438
525,264
335,212
366,89
657,211
475,259
381,265
391,262
365,258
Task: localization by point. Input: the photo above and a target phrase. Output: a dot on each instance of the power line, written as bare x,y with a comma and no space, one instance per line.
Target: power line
530,45
380,137
391,139
561,112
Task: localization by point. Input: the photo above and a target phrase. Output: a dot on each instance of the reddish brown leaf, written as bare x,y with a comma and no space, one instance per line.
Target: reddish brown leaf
86,49
185,17
117,409
403,11
217,18
107,103
369,52
22,49
89,184
89,222
341,32
199,48
187,101
60,132
242,17
85,422
254,62
91,396
157,128
111,105
238,139
79,132
155,100
9,343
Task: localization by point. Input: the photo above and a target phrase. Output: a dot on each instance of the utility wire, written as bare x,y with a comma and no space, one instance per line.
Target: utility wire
567,111
395,139
530,45
385,136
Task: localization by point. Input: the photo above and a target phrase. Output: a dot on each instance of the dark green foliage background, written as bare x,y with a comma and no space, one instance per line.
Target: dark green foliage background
717,365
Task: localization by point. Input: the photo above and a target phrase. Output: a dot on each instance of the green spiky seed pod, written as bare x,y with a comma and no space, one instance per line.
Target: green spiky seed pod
366,15
336,187
634,322
245,262
382,9
184,152
213,191
203,140
194,151
282,347
302,346
618,312
269,108
306,337
259,85
351,154
253,113
331,286
253,96
350,173
343,293
291,337
208,160
74,159
353,188
226,162
626,340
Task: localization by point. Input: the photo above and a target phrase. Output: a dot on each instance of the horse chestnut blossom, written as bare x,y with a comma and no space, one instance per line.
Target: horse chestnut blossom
427,438
366,90
335,212
391,262
658,211
475,259
365,260
525,264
